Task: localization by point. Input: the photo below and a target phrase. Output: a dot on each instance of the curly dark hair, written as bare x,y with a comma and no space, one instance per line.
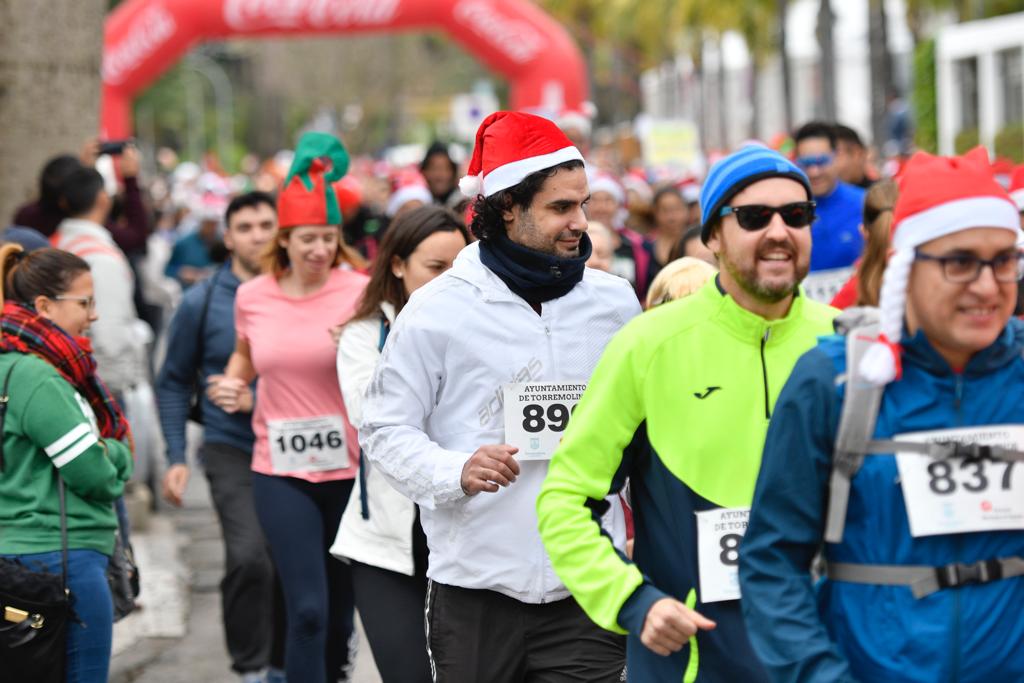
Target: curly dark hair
487,211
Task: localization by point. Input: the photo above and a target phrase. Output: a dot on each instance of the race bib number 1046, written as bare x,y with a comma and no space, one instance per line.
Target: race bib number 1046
536,415
308,445
958,495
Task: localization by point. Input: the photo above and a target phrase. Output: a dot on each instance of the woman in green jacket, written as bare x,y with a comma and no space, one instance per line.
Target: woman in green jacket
60,421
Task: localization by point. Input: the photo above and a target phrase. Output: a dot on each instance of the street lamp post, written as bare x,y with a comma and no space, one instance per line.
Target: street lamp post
223,95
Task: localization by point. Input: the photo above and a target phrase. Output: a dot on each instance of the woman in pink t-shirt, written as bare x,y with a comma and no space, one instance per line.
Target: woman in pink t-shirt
306,453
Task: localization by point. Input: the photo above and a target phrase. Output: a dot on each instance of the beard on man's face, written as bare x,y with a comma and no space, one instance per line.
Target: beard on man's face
744,269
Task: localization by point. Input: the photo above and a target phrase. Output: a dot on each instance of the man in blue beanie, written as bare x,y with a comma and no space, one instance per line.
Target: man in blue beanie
679,405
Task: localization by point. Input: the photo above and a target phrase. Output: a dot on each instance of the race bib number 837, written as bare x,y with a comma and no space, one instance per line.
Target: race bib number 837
960,495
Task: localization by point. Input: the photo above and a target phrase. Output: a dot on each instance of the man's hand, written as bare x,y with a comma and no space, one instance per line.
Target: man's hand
669,626
230,394
175,481
488,468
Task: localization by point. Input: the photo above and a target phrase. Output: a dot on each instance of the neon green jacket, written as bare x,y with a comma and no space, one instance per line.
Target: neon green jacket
679,404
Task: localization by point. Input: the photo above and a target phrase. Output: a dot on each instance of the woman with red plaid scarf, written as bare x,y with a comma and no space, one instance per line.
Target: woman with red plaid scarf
60,422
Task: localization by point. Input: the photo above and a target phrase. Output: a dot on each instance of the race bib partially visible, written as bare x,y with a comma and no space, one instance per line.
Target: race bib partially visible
310,444
536,415
719,533
956,496
823,285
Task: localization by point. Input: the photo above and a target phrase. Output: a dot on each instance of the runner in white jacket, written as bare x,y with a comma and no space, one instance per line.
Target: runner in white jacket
517,308
380,533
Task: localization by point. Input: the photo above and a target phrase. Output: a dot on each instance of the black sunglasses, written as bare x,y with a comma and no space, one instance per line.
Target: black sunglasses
758,216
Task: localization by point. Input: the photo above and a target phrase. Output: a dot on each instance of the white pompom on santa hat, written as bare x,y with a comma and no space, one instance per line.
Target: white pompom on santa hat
938,196
511,145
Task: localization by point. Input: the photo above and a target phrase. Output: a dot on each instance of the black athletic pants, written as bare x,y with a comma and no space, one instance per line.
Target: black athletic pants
480,635
390,606
253,623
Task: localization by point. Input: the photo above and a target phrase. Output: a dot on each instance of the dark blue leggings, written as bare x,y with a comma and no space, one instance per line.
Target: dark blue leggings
300,520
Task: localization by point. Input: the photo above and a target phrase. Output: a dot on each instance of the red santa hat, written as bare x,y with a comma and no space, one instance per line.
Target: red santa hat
938,196
1002,169
350,195
407,192
605,183
580,119
1017,187
511,145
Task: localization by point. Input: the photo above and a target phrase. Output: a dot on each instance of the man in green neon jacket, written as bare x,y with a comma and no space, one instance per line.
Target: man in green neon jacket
679,404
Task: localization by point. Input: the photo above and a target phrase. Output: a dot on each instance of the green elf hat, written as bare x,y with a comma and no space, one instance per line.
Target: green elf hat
307,197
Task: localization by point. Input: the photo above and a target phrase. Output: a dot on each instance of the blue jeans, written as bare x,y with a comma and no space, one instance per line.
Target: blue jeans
89,642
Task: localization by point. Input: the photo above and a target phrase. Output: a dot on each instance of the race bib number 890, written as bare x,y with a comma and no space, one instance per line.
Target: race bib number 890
961,495
536,415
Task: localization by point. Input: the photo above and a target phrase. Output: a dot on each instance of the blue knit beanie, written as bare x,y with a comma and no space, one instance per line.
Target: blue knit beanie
730,175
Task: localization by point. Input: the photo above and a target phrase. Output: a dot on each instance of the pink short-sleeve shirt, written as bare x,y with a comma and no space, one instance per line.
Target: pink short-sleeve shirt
295,360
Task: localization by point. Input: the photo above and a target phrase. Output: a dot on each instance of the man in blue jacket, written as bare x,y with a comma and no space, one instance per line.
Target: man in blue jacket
922,567
201,337
836,234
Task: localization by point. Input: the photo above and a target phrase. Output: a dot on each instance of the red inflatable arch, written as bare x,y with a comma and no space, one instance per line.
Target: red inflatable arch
144,38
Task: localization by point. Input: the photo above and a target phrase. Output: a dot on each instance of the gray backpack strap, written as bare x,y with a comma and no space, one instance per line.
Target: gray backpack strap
856,427
925,580
944,450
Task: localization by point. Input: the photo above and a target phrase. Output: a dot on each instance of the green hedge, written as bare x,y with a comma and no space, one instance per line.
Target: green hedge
923,98
1010,142
966,139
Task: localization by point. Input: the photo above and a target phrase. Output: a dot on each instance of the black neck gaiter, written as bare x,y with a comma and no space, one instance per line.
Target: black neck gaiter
533,275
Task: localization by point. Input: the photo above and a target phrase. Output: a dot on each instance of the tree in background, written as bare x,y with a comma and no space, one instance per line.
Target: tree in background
49,98
827,64
880,60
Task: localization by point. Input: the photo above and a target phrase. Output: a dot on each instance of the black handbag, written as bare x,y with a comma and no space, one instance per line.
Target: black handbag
35,606
122,576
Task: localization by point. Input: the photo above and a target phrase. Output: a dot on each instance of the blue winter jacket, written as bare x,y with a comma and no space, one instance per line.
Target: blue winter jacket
835,235
845,631
175,382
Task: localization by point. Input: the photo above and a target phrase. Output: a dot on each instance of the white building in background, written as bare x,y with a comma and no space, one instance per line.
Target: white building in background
675,92
980,84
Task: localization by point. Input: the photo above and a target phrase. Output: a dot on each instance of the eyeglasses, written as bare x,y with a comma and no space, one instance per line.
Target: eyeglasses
88,302
963,269
757,216
815,160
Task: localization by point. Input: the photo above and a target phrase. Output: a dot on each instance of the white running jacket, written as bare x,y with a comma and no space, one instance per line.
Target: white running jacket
436,396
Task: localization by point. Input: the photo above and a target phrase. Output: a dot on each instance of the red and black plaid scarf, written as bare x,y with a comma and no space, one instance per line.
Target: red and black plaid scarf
23,330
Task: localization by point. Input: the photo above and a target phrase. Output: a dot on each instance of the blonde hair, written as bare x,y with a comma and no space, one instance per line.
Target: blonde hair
274,259
878,206
598,226
678,279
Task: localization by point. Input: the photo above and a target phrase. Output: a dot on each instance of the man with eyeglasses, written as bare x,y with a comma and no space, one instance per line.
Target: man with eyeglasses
896,454
679,404
836,232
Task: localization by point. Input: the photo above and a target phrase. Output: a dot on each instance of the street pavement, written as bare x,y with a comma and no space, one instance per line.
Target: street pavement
177,635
